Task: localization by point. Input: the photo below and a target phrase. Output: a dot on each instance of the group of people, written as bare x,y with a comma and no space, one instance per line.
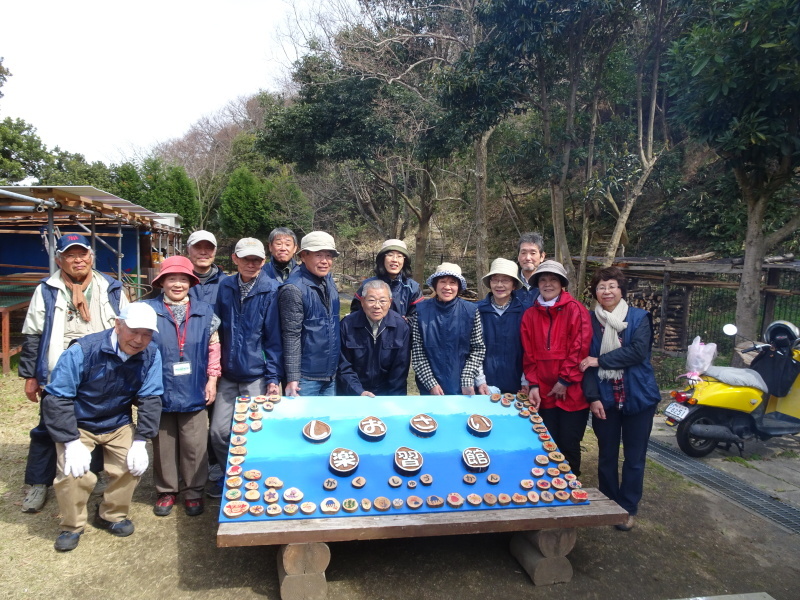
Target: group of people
184,356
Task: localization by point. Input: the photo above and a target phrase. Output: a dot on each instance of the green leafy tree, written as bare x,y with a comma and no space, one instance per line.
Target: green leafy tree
245,210
165,189
22,153
735,77
4,75
67,168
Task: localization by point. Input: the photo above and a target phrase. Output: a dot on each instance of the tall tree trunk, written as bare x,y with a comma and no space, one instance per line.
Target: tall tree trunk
481,225
421,237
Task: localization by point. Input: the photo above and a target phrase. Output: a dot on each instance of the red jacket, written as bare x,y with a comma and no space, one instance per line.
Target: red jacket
554,341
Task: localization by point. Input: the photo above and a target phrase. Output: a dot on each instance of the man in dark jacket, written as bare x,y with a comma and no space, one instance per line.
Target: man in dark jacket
72,302
201,249
88,403
376,347
282,248
530,254
251,341
309,313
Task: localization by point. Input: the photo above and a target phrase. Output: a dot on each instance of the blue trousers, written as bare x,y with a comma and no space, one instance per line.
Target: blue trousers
309,387
634,432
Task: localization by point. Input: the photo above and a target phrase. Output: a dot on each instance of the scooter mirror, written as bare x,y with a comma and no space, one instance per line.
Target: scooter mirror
729,329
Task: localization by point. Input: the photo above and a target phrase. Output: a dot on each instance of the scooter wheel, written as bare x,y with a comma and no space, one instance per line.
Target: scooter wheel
693,446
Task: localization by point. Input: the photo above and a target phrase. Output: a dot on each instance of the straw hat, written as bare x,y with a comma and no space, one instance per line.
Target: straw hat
503,266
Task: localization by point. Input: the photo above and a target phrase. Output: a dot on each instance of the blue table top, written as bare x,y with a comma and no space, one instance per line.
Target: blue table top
280,450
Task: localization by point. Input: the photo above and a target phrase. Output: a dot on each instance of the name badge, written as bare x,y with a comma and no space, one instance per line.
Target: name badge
182,368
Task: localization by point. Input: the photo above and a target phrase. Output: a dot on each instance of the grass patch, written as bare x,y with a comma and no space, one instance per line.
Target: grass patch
788,454
738,460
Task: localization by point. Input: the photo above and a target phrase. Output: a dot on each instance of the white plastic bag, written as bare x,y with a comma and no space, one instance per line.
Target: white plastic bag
699,358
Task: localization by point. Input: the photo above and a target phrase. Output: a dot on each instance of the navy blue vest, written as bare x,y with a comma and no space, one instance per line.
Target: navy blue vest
405,291
184,393
641,389
319,338
503,362
108,385
207,292
445,329
49,295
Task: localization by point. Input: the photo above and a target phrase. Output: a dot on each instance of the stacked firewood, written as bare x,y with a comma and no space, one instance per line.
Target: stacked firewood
650,300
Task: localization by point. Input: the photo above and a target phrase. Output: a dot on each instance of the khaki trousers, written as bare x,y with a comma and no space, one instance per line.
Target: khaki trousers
73,493
180,452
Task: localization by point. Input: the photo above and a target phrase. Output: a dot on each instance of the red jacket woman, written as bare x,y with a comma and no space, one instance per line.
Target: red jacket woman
556,334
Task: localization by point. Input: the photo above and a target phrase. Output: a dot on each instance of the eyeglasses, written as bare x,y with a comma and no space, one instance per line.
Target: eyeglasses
380,303
607,288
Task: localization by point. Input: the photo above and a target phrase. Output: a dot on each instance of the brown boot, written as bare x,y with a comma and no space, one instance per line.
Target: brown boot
627,525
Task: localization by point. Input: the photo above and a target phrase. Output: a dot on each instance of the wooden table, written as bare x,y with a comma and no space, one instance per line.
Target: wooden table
545,536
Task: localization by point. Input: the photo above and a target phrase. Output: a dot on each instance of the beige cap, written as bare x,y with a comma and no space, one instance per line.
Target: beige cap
139,315
503,266
250,247
201,236
317,241
396,245
550,266
448,269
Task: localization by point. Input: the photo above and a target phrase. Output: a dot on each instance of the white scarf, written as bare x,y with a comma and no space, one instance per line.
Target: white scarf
614,323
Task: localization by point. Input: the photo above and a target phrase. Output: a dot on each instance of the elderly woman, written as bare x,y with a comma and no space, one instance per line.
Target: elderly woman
621,388
501,314
447,348
556,333
393,265
190,352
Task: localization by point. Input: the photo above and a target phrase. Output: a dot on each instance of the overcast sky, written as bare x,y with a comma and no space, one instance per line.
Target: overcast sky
109,79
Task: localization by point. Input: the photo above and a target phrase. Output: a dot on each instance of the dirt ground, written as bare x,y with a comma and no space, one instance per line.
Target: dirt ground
687,543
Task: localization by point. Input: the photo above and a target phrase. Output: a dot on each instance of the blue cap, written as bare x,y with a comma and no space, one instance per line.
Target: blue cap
72,239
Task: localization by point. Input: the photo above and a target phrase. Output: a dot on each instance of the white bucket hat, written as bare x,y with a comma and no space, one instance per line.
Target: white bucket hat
139,315
451,269
317,241
503,266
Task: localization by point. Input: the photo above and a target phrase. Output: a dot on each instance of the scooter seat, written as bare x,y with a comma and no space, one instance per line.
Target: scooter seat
738,377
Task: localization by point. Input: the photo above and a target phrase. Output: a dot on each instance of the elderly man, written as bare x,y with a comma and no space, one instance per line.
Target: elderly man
88,403
201,250
309,311
251,342
76,300
376,347
282,248
530,254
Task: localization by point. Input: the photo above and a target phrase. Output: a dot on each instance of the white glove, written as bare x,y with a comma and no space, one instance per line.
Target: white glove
137,458
77,459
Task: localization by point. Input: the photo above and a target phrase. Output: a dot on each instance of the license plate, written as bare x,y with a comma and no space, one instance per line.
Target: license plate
677,411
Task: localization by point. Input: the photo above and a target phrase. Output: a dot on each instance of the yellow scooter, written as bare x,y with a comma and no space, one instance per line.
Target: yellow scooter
729,406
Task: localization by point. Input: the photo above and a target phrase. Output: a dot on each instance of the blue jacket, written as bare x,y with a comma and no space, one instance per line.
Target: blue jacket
446,329
641,389
93,389
503,363
319,337
269,270
249,331
378,366
183,393
527,295
207,292
405,294
49,294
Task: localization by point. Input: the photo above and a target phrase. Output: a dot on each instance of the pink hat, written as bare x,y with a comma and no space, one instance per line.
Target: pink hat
176,265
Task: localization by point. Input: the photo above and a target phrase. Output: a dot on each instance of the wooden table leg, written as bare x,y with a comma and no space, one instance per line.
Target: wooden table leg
301,571
6,343
543,554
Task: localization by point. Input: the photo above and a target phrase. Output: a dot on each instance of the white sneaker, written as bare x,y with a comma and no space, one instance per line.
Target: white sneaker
35,498
215,473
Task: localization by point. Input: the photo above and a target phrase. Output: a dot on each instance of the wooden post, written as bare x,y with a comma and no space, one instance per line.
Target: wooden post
529,549
773,280
687,308
301,571
664,301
